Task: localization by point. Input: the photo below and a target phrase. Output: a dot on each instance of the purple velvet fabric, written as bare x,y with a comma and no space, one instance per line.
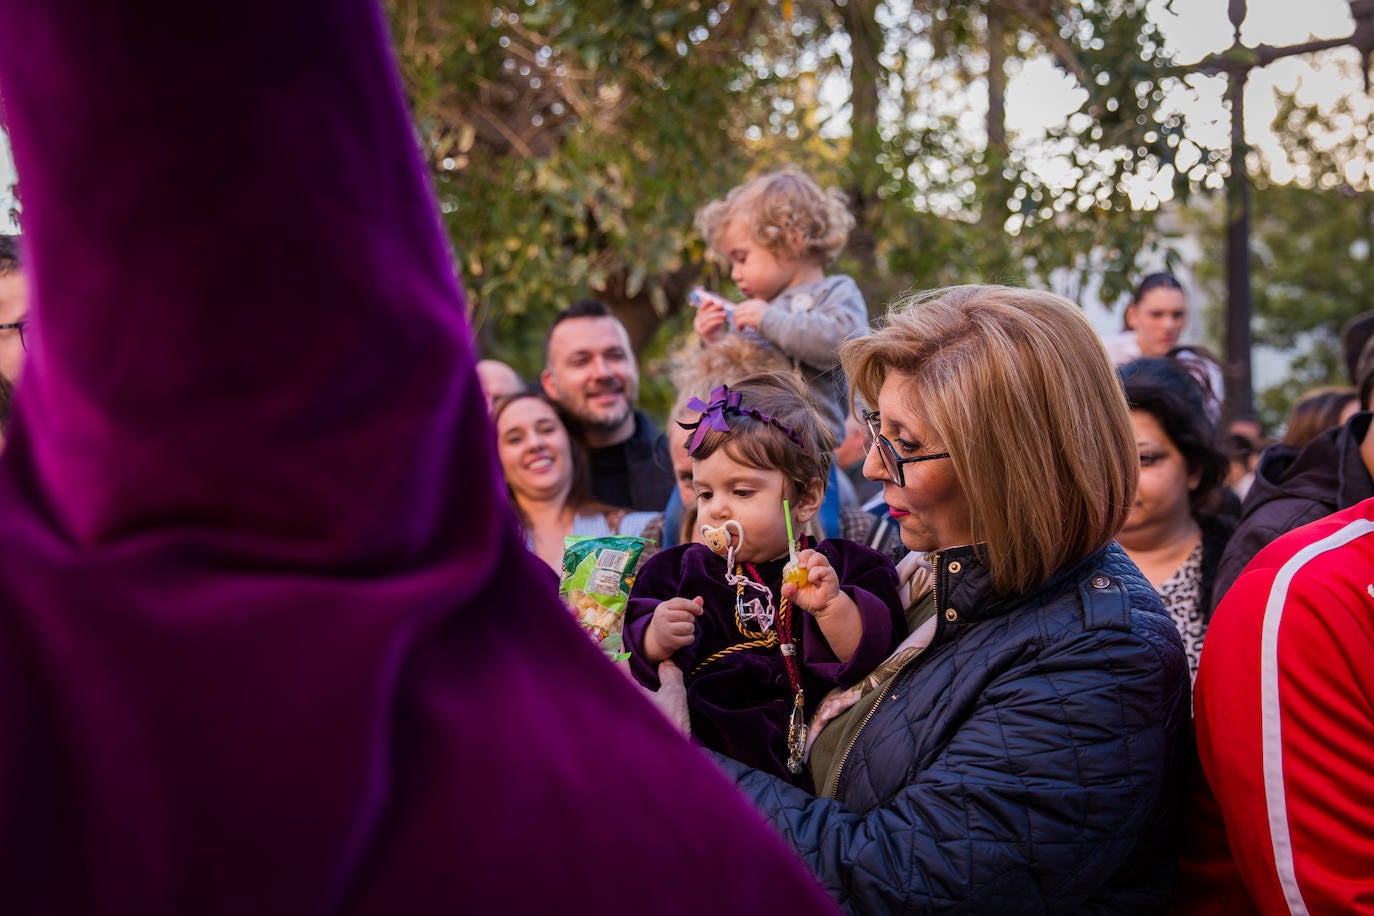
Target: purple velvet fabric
740,705
269,640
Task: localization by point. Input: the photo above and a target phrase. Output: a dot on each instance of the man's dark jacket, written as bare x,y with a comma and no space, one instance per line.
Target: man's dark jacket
1293,488
643,478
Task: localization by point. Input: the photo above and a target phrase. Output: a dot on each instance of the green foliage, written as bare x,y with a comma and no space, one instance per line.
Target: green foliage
1120,135
572,143
1312,268
1311,272
567,142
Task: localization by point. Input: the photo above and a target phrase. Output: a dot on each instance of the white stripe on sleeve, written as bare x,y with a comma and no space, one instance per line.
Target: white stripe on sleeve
1271,738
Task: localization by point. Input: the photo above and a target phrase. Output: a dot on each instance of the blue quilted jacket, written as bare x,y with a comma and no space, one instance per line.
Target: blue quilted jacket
1029,761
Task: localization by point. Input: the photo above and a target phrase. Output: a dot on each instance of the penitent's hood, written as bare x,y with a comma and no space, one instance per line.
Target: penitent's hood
269,642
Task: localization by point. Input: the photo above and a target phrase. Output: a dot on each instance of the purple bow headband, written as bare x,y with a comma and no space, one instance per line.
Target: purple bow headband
724,401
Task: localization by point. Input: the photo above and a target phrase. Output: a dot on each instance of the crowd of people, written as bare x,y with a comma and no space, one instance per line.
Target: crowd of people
962,608
848,729
842,707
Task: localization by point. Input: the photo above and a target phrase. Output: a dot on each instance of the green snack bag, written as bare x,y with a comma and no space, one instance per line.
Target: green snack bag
598,573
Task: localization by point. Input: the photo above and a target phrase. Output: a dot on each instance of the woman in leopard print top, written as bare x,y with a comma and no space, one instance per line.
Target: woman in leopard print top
1183,515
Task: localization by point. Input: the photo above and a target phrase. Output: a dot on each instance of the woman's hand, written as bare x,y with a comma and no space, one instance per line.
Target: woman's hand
671,697
673,627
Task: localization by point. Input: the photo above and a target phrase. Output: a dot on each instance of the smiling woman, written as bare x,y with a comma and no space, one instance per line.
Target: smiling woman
546,476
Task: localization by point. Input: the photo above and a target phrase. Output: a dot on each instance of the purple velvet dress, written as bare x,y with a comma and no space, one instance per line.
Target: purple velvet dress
741,701
269,639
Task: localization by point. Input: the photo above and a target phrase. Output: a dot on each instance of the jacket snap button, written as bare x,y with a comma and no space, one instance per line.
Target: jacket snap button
955,566
951,614
1101,582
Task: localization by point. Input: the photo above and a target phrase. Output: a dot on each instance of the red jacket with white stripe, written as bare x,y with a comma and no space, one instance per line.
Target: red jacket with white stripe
1284,703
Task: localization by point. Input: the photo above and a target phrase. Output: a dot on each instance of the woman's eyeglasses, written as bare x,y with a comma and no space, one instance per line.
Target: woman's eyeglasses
19,326
891,463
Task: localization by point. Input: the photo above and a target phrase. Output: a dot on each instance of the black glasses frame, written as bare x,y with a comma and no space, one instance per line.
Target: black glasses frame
18,326
888,453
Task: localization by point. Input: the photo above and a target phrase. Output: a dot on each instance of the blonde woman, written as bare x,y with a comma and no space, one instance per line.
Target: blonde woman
1022,748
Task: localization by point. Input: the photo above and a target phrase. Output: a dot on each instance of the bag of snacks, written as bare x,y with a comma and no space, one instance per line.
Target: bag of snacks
598,573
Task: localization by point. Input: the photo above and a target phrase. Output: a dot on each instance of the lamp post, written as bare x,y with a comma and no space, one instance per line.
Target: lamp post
1236,63
1239,393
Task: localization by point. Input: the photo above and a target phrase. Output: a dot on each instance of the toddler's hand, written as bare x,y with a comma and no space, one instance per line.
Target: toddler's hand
749,313
822,583
710,320
673,627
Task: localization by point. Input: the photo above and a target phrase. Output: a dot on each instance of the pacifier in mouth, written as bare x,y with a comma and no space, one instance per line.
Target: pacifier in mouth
718,539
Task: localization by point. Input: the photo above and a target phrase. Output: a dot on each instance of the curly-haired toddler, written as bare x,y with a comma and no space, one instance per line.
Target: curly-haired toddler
779,232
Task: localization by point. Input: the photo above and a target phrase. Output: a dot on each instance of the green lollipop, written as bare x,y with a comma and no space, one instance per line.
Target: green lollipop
791,572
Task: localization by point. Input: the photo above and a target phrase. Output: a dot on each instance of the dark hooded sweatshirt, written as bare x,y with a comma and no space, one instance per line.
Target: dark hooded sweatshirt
1293,488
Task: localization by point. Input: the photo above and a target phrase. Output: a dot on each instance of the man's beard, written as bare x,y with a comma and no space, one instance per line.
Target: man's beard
606,423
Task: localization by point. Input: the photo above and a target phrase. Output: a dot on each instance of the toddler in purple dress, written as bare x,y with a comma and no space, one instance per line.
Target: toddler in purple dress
761,637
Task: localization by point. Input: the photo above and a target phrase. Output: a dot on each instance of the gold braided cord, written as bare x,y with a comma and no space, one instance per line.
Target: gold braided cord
796,723
767,641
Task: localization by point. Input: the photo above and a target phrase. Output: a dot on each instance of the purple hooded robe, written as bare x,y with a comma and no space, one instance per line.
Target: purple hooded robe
269,639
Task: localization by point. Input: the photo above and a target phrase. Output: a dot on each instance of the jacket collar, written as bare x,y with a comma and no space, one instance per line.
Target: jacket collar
964,592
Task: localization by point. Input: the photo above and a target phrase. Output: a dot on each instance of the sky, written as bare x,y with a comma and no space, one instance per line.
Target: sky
1040,94
6,179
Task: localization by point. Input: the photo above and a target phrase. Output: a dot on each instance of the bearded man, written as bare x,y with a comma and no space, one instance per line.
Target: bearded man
590,372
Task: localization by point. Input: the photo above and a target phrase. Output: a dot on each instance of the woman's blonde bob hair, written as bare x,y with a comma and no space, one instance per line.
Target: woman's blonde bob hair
1021,392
